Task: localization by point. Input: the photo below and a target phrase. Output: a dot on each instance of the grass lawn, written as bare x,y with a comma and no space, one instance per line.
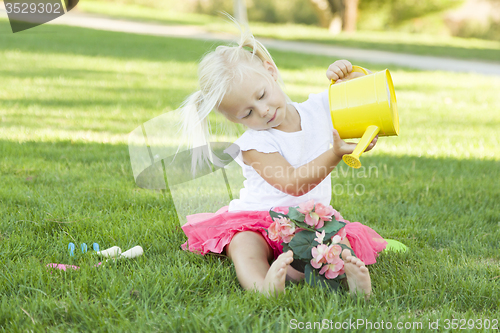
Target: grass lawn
70,96
422,44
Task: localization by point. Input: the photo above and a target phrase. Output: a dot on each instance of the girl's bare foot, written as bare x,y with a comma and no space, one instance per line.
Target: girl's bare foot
358,276
274,282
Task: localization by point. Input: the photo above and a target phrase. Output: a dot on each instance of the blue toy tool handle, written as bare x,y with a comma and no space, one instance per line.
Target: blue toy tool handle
95,246
71,248
84,247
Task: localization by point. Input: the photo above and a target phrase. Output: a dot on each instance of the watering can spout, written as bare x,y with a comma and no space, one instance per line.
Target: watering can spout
352,160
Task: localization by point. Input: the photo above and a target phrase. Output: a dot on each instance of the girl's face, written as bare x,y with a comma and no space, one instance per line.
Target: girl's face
257,101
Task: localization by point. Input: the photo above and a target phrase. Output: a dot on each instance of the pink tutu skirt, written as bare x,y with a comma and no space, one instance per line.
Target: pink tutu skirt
211,232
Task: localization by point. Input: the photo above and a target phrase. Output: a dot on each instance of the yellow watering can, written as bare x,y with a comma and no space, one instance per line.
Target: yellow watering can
362,108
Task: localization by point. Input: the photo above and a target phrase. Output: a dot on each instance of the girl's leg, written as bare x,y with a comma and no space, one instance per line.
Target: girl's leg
251,254
294,275
357,275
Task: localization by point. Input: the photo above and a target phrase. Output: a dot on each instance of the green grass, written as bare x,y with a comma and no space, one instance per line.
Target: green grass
70,96
421,44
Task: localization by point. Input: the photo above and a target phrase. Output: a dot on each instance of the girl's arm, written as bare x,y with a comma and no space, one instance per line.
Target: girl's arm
276,170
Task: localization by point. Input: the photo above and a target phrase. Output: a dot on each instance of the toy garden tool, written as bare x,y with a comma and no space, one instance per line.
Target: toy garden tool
362,108
136,251
112,252
71,249
116,252
395,246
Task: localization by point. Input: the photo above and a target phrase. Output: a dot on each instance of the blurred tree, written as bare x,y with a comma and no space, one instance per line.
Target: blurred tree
395,13
337,15
350,15
279,11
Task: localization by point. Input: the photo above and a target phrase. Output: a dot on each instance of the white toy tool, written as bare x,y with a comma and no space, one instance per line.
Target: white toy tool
116,252
112,252
134,252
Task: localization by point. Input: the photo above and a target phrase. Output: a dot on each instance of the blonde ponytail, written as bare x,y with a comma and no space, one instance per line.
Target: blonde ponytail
194,124
195,128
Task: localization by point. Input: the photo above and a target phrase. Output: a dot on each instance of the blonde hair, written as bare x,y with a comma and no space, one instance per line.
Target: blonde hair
217,71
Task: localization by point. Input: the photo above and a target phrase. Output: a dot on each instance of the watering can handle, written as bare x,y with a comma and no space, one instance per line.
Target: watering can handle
357,69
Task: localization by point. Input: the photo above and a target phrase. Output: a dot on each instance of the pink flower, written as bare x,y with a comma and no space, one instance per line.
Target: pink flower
336,239
332,253
313,220
337,216
306,207
281,230
287,230
274,231
316,215
339,236
318,254
333,269
324,212
319,237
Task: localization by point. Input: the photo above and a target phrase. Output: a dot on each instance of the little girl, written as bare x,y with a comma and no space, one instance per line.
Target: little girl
287,155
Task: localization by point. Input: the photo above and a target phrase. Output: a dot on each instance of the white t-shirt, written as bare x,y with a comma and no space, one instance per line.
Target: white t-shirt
298,148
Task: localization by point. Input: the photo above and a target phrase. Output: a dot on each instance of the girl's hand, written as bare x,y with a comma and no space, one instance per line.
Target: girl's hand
341,148
341,70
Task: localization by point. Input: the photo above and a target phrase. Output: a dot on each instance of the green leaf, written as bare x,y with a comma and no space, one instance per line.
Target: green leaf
332,226
303,225
276,215
344,247
295,215
332,284
299,264
299,218
313,278
302,244
309,274
331,234
286,247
